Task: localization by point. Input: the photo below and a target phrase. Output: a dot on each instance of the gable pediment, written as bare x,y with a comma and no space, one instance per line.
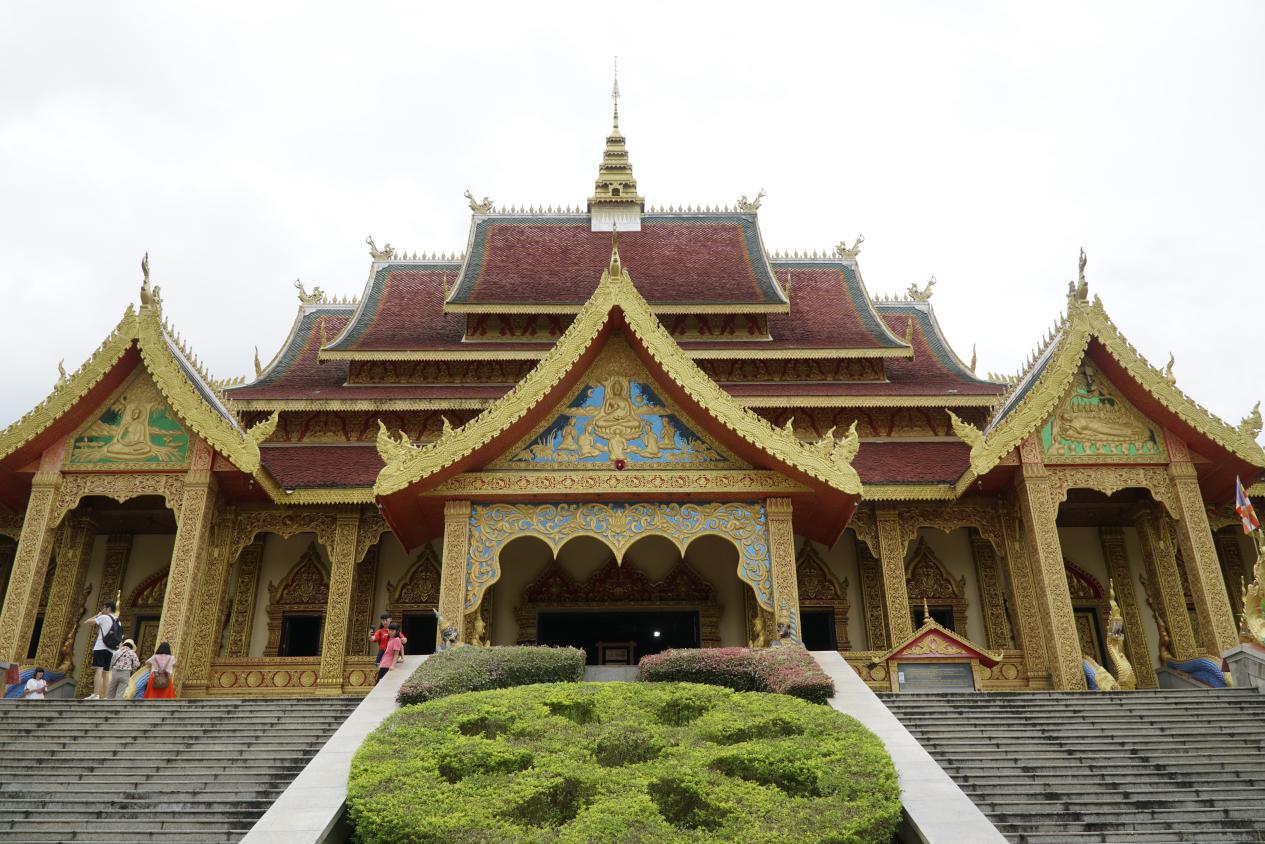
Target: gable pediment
1094,422
617,417
135,428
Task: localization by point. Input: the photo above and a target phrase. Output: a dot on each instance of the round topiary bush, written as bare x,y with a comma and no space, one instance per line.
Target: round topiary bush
622,762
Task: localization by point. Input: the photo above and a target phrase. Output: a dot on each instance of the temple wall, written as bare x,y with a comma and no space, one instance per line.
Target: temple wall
522,561
954,550
393,564
716,560
280,555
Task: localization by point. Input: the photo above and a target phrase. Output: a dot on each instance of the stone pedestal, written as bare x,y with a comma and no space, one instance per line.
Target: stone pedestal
1247,666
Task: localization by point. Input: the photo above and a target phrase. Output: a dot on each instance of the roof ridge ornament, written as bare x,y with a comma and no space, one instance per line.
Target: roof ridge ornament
477,206
386,253
923,295
844,251
615,196
149,298
316,297
1251,424
616,269
1078,291
752,206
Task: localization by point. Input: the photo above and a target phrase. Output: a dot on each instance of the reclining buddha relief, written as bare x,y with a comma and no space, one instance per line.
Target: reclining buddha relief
1095,421
135,427
616,418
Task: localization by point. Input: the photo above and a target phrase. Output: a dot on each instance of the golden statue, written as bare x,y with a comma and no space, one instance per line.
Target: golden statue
569,435
1254,594
587,443
923,295
650,438
480,631
1125,675
759,632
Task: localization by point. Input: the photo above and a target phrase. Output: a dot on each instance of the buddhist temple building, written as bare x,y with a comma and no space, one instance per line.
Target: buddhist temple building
625,428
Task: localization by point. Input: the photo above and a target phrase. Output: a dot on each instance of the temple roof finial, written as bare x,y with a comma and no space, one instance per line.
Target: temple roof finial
615,197
616,269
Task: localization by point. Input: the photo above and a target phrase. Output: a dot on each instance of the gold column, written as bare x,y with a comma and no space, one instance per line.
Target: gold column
7,550
1160,558
1117,557
782,562
30,563
891,553
996,624
1232,569
242,615
1022,583
65,598
342,570
117,548
362,603
209,609
872,599
188,556
1040,513
1203,570
452,577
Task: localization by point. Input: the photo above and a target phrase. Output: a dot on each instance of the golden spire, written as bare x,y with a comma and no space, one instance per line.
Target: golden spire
615,196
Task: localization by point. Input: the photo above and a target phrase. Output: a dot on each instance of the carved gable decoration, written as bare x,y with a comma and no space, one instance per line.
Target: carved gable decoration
420,586
614,583
136,429
1082,584
307,584
928,578
933,642
820,589
617,417
1095,422
149,594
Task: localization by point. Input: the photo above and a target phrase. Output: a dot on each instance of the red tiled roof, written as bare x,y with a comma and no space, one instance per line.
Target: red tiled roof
699,260
912,463
322,465
296,371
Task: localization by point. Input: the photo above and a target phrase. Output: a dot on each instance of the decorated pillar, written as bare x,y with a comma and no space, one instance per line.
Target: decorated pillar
1023,589
362,590
342,570
66,596
242,612
208,611
872,598
452,576
7,550
197,507
117,548
1233,571
30,562
1039,507
782,562
891,554
996,623
1203,569
1117,557
1159,556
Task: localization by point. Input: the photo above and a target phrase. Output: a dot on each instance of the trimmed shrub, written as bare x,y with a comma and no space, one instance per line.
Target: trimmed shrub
784,671
471,669
662,763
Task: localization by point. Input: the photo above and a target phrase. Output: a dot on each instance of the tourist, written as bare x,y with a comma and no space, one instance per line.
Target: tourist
161,685
122,667
392,654
109,635
36,686
380,636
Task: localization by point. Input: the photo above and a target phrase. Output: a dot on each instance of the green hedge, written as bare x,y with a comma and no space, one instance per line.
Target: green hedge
622,762
787,670
472,669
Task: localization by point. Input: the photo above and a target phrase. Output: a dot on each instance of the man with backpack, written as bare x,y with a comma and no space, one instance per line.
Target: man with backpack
109,635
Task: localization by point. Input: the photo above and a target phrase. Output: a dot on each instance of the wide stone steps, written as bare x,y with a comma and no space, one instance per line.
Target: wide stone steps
170,771
1076,768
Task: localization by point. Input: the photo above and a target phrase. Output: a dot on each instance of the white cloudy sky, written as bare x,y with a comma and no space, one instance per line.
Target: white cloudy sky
258,143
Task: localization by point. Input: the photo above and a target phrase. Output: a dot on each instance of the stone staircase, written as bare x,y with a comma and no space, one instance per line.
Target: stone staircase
1066,768
172,771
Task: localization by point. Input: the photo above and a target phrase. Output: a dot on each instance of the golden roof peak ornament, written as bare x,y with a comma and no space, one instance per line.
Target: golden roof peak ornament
1078,291
752,206
1251,424
316,297
149,297
923,295
386,253
615,198
1168,369
477,206
616,269
843,250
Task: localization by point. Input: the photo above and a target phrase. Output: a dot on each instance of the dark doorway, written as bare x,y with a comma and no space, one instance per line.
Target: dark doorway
942,615
651,631
419,629
301,635
35,637
817,629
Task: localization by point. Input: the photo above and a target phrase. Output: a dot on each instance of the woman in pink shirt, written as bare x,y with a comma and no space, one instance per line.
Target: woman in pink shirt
391,655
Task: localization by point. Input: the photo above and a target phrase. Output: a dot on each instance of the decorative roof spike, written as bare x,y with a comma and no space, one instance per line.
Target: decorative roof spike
923,295
1078,291
973,358
845,251
909,332
1251,424
259,370
1168,369
616,270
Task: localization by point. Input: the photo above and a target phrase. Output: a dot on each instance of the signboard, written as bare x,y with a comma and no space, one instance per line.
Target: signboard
935,677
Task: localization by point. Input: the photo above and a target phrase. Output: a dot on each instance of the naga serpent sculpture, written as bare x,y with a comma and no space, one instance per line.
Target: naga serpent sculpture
1115,644
1253,616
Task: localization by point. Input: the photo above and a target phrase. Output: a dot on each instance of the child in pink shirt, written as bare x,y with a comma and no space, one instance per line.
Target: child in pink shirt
392,653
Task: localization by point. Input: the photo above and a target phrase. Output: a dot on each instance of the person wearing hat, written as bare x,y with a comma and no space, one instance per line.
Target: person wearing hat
122,667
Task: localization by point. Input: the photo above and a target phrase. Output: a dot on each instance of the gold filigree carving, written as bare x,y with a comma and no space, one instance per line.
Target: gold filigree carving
1115,643
342,555
996,620
820,589
1116,556
872,598
242,614
304,589
1094,422
748,483
928,584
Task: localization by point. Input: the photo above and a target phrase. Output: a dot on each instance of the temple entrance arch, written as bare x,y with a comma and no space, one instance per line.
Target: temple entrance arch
619,611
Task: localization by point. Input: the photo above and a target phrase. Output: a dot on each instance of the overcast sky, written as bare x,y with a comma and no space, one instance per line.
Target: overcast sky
982,143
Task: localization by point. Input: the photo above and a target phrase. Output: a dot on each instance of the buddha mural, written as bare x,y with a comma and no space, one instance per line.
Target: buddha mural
137,427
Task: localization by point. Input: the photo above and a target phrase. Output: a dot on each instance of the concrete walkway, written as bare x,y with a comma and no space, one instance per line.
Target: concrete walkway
310,810
936,810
